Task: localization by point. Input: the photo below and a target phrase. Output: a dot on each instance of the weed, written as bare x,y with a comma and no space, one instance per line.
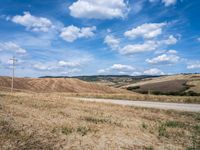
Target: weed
197,116
162,130
67,130
83,130
148,148
174,124
97,120
144,125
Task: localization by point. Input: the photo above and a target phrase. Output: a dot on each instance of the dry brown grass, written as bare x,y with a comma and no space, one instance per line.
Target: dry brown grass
42,85
54,121
139,97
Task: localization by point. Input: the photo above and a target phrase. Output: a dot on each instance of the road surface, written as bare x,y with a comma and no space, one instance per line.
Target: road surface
147,104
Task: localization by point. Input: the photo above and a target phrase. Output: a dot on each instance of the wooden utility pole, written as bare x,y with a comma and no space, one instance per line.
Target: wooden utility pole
14,60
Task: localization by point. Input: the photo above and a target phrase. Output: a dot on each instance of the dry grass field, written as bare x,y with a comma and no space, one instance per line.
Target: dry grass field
43,85
55,121
175,84
138,97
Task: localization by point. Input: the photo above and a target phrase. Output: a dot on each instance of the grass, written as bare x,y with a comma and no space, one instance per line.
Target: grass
143,97
54,121
67,130
83,130
174,124
144,125
97,120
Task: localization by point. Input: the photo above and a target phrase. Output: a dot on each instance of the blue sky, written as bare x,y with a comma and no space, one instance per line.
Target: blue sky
87,37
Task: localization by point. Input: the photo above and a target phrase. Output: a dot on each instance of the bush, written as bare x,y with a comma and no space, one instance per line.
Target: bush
67,130
83,130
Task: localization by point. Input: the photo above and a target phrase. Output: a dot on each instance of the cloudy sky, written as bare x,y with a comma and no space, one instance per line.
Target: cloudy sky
87,37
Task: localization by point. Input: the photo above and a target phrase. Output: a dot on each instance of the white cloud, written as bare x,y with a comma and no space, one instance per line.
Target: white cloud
195,65
112,42
198,39
147,30
72,33
59,66
169,2
136,73
166,2
170,41
68,64
138,48
99,9
172,52
102,71
153,71
10,46
46,66
71,71
37,24
120,68
164,59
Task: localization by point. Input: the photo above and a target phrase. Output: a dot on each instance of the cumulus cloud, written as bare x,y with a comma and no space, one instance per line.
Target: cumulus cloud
149,45
170,41
60,65
99,9
165,2
169,2
172,51
120,68
37,24
43,67
138,48
154,71
72,33
147,30
112,42
68,64
12,47
164,59
195,65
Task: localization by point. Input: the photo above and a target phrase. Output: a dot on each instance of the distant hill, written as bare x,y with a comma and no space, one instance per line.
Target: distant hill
71,85
182,84
110,80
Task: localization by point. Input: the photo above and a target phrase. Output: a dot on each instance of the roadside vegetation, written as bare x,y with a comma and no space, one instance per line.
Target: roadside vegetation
56,121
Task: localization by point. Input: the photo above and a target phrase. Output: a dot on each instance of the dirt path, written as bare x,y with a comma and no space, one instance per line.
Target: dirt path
158,105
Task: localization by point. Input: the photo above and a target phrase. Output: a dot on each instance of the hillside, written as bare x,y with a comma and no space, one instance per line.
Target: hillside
171,85
56,85
110,80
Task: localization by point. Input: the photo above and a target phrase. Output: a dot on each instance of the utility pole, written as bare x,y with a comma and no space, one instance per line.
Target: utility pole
14,60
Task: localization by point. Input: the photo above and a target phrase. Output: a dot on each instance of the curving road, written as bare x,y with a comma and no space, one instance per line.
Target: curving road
147,104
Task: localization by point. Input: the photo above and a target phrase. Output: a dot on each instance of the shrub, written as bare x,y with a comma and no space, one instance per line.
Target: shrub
174,124
83,130
67,130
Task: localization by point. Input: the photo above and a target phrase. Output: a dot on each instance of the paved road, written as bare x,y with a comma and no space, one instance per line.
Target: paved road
158,105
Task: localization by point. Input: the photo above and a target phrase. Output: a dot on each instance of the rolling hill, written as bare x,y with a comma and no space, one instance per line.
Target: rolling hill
70,85
182,84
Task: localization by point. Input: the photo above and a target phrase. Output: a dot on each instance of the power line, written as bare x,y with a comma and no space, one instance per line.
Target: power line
14,60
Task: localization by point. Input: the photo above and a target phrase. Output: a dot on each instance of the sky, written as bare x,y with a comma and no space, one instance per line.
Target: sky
99,37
